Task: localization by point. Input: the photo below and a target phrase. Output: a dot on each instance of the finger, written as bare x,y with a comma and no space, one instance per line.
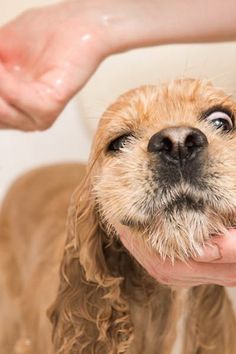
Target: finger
10,118
222,249
208,273
227,247
35,100
209,253
183,275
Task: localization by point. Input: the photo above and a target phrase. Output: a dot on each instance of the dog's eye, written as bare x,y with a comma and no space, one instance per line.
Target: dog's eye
221,120
119,143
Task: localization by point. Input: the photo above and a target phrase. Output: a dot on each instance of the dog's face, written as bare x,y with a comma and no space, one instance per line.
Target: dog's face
164,162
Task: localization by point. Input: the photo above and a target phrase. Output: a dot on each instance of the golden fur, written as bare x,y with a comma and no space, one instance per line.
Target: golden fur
103,302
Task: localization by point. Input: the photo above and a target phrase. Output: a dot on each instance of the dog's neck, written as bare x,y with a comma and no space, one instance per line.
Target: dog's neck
137,283
153,306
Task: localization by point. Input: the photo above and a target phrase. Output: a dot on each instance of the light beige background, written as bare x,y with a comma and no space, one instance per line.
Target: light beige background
69,139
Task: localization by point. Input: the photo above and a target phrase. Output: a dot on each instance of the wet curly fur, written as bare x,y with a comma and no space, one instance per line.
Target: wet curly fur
103,301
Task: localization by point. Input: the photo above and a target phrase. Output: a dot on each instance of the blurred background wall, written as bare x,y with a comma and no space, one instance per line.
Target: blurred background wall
69,138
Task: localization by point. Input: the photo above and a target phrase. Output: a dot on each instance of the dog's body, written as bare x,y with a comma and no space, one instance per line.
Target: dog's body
32,265
106,302
33,222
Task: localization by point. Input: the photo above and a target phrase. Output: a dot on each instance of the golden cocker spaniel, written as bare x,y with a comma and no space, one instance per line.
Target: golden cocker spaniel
163,163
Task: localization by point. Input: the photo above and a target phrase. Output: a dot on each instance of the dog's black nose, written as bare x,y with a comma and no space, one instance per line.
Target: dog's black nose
178,144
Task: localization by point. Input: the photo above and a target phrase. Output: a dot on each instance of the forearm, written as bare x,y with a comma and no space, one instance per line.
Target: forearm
138,23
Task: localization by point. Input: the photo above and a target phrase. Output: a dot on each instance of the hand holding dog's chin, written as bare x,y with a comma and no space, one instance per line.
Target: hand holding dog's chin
216,265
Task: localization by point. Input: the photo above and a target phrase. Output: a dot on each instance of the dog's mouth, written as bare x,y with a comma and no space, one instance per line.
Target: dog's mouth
176,221
181,203
184,203
184,214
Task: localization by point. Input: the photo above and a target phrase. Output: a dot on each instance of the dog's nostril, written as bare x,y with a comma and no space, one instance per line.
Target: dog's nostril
196,140
178,143
190,141
166,144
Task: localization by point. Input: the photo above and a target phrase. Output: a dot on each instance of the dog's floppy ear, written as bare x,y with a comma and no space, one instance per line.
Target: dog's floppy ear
89,314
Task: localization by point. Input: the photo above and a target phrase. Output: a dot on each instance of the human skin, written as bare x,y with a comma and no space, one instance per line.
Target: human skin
216,264
48,54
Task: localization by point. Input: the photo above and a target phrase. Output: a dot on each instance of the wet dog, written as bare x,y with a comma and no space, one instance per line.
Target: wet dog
163,163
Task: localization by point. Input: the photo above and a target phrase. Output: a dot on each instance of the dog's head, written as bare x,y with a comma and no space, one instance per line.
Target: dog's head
164,163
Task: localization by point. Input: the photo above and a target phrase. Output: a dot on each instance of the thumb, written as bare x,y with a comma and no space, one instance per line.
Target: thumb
222,249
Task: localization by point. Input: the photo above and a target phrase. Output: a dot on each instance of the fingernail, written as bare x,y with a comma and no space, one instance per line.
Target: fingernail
209,253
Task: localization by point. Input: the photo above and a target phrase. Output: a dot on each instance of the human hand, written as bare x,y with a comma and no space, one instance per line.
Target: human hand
216,265
46,56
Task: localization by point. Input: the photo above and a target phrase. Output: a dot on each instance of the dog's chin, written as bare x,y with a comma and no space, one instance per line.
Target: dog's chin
179,227
180,230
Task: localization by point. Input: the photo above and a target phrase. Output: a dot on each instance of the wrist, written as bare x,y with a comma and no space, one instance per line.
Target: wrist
131,24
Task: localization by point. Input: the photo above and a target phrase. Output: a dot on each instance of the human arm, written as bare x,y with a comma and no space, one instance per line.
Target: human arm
48,54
